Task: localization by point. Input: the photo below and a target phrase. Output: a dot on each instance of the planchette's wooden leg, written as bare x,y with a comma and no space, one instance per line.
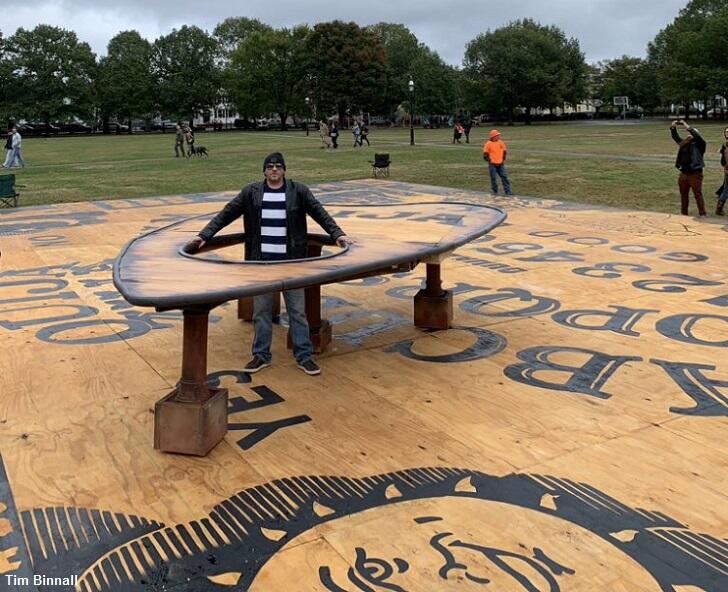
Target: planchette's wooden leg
319,329
192,419
433,305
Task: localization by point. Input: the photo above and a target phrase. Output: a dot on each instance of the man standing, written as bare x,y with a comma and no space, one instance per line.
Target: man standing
274,216
179,141
494,153
691,164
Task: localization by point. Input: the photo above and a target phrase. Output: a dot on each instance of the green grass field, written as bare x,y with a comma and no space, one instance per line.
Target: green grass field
583,162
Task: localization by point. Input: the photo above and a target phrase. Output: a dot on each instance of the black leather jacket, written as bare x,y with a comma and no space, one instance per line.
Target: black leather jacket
696,149
248,204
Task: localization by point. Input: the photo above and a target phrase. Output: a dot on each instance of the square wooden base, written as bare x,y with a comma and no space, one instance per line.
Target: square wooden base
190,428
433,312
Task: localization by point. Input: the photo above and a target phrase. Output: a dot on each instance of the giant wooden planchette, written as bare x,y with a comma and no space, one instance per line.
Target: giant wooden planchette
152,270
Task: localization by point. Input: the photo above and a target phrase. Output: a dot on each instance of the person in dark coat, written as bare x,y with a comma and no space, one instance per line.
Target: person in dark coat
334,133
274,216
690,162
467,126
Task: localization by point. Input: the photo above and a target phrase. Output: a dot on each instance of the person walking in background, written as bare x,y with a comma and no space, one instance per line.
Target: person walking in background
334,133
190,139
8,149
179,141
690,162
356,132
494,153
467,126
324,133
723,194
457,133
364,134
16,158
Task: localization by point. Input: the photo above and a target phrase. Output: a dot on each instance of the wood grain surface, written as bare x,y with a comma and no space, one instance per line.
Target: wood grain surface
568,433
151,270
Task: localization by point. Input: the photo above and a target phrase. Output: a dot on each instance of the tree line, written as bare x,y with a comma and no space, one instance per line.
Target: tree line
333,68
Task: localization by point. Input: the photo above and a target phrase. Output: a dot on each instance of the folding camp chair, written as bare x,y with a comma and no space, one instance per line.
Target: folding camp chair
380,165
8,195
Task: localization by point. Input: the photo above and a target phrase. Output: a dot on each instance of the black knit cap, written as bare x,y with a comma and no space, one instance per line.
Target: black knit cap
274,158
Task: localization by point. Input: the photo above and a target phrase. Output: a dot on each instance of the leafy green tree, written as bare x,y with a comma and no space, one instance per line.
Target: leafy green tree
401,49
436,84
687,54
230,33
268,73
528,65
125,83
53,74
183,64
631,77
407,59
347,67
6,83
716,51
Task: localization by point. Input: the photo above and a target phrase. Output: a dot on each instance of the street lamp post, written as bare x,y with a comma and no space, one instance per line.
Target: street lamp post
412,111
308,108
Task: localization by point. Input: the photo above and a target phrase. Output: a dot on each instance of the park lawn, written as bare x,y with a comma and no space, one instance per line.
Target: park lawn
581,162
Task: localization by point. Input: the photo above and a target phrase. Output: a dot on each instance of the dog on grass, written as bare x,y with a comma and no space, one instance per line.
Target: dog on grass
199,151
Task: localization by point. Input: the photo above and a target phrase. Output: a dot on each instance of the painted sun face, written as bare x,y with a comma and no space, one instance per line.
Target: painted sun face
451,543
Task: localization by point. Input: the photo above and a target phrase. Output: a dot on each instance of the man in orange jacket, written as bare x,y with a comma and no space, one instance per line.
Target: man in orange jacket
494,153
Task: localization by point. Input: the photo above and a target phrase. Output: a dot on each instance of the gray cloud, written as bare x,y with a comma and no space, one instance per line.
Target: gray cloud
605,28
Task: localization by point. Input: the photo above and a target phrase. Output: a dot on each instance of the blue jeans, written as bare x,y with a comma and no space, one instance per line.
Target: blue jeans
9,157
724,196
298,325
501,171
15,158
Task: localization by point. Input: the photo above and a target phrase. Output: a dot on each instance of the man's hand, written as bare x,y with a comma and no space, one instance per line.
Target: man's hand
344,241
194,245
685,124
673,125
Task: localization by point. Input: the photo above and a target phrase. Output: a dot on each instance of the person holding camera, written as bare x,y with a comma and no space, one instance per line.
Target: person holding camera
690,163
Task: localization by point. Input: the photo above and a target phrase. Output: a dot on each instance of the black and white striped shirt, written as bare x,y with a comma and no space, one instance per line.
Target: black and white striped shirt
273,224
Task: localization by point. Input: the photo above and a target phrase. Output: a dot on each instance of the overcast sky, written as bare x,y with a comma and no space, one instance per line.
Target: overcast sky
605,28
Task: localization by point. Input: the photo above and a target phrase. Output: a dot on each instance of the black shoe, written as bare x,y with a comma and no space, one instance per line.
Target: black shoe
255,365
310,367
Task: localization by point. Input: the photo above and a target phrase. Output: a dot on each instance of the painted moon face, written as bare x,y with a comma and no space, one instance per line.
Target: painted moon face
456,543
